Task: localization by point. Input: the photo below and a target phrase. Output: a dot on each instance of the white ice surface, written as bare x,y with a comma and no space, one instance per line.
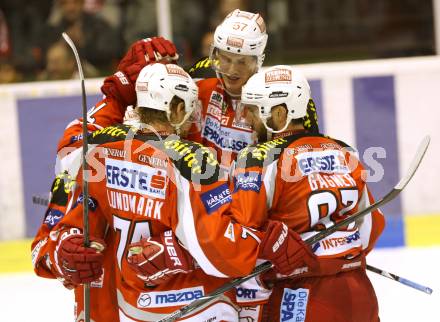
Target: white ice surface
27,298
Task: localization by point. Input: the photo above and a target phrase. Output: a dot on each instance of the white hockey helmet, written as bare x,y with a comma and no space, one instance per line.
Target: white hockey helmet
157,84
243,33
275,86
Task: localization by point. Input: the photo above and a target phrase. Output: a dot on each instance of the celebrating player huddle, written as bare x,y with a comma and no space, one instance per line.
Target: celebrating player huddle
209,180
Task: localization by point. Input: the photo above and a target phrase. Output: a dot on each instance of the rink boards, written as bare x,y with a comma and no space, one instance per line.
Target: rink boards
384,108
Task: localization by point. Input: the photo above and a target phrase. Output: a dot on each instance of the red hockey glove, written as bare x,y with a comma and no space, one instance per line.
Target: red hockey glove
143,52
293,258
286,250
157,259
79,264
146,51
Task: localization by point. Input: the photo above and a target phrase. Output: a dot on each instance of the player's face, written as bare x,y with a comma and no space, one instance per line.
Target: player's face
235,69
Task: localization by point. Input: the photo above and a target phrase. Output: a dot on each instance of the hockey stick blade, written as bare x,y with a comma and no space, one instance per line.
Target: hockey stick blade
404,281
84,168
418,157
75,52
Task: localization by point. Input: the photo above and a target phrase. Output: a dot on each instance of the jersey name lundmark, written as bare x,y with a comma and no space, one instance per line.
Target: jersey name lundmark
135,204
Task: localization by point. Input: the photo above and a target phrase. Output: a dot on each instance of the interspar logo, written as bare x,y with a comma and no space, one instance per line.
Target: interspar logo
169,298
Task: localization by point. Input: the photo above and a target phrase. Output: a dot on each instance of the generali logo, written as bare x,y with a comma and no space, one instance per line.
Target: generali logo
278,75
235,42
175,70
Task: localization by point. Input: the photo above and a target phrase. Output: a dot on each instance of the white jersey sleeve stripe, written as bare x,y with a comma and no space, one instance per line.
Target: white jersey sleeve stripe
269,182
186,231
366,225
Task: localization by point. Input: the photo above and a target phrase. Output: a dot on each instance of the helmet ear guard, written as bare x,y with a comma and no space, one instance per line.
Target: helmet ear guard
276,86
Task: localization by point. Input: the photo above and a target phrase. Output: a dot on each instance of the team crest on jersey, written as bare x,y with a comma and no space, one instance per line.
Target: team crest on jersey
229,232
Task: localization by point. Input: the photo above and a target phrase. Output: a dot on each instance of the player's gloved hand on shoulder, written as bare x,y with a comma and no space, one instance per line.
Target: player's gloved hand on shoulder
143,52
286,250
157,259
293,258
79,264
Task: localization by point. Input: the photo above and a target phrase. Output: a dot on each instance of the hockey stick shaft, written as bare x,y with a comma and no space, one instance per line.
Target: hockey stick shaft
84,168
404,281
423,146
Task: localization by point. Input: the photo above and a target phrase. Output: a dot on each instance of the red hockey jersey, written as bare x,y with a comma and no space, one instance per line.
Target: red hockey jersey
103,292
145,185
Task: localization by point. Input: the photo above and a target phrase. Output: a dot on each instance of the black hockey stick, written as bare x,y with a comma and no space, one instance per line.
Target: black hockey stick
43,201
85,171
423,146
404,281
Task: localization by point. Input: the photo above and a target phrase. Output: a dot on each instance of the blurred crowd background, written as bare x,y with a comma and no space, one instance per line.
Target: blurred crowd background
300,31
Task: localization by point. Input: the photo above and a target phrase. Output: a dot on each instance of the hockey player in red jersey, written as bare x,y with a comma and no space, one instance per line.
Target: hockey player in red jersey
308,182
118,89
221,129
145,182
238,53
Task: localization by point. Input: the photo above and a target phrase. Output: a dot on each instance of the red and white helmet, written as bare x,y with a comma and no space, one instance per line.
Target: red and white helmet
275,86
157,84
243,33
